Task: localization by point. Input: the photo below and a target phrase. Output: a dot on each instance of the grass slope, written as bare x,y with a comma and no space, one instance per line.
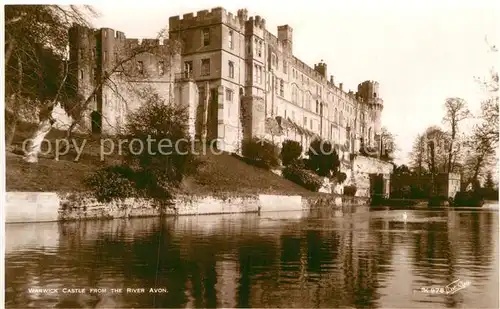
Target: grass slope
221,173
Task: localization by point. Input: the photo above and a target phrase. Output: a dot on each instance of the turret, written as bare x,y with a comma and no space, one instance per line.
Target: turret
368,91
321,69
285,36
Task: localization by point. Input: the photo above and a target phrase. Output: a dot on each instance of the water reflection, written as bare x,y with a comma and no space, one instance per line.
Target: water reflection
362,259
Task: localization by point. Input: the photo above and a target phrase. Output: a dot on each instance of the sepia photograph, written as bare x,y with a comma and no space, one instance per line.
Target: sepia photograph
250,154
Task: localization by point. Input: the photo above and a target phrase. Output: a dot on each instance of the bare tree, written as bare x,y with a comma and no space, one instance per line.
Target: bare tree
123,75
456,112
35,35
489,107
418,154
480,155
389,146
437,143
481,145
120,77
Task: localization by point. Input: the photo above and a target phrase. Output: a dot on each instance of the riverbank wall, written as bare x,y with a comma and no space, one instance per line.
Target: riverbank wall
24,207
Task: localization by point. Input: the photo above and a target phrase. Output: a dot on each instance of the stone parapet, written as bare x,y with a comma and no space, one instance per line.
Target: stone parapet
22,207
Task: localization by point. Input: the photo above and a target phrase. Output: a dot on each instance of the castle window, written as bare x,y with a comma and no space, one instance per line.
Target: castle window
374,94
311,124
317,107
229,95
285,67
230,39
259,52
81,74
282,88
161,68
285,114
273,60
188,67
205,67
231,69
206,36
276,85
259,77
140,67
305,121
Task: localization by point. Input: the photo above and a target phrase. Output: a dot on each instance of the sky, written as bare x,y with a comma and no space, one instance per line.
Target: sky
420,52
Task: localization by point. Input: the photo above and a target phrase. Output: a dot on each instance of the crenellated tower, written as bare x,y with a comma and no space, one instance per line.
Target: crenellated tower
368,92
105,66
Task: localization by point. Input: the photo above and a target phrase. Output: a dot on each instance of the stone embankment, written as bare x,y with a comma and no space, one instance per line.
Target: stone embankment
51,206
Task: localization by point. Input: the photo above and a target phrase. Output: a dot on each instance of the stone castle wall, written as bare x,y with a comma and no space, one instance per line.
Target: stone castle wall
360,172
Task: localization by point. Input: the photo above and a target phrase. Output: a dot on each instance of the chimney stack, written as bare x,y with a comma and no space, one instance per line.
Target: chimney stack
331,79
340,86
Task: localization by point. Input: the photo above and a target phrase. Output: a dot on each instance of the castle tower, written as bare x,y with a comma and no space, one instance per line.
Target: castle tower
82,69
368,91
285,35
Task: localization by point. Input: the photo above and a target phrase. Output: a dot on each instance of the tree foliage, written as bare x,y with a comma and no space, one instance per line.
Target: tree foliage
323,158
489,183
290,152
262,152
158,157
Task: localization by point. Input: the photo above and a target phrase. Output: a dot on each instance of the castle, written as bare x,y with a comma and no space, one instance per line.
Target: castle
238,79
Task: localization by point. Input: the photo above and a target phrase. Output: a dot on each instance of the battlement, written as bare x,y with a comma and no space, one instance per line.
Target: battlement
206,17
272,40
257,22
369,91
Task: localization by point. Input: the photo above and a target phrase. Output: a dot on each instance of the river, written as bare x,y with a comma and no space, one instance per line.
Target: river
355,257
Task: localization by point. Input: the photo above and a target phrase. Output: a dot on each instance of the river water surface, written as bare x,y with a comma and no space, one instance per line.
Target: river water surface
358,258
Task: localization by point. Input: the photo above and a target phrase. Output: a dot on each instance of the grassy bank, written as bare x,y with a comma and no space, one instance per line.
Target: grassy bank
216,173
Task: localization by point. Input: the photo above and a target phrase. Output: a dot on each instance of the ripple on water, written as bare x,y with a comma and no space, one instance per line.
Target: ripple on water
370,259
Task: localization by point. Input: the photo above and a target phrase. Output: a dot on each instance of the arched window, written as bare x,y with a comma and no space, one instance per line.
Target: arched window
335,116
230,39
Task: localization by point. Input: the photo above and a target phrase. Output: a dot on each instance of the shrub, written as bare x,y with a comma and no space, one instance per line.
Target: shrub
302,177
350,190
341,177
111,183
323,159
151,168
264,153
154,123
290,152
